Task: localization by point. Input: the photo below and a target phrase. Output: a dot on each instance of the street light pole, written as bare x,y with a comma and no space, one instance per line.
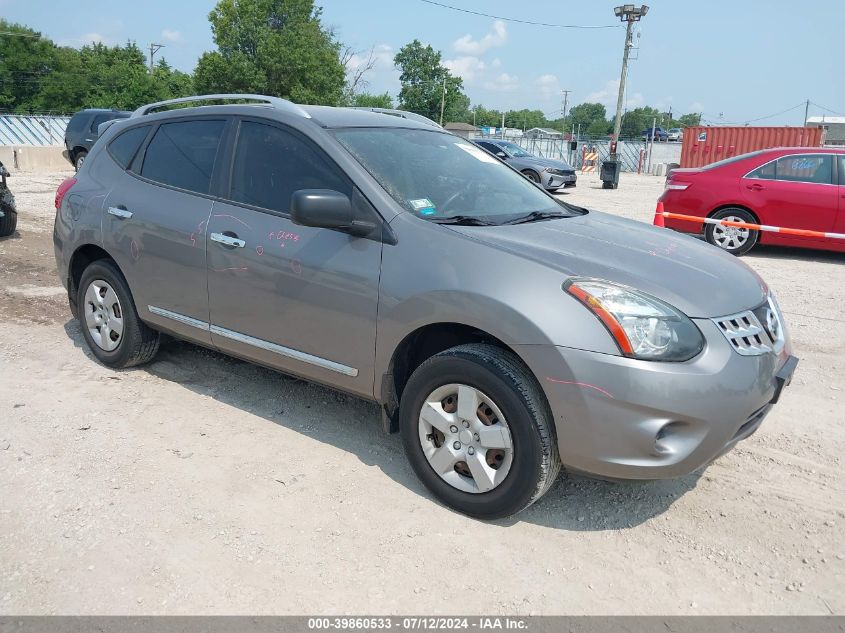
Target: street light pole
443,101
630,14
154,48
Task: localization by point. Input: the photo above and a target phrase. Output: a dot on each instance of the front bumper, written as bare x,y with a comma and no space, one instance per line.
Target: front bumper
556,181
621,418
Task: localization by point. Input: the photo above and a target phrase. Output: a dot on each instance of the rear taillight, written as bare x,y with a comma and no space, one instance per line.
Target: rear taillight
67,183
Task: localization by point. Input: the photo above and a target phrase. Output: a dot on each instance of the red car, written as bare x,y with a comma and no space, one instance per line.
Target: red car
788,187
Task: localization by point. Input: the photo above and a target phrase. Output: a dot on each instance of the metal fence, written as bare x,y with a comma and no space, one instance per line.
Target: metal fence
628,151
32,129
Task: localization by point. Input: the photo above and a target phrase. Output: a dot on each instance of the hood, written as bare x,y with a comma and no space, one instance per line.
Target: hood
699,279
547,162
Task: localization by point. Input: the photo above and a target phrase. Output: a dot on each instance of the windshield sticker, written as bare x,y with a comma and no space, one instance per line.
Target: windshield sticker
479,153
423,206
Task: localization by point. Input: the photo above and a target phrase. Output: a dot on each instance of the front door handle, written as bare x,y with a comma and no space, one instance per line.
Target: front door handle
755,187
227,240
120,212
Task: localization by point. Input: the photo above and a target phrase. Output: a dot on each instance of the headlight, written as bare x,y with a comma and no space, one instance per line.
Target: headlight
642,326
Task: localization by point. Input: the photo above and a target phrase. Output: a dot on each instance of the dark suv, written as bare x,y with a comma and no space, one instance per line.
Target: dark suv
81,132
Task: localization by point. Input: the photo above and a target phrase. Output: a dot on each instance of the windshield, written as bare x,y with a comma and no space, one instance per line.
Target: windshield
438,176
514,150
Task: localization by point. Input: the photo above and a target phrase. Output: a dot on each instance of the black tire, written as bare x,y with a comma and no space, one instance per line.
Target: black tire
139,342
8,223
79,159
744,216
532,175
509,383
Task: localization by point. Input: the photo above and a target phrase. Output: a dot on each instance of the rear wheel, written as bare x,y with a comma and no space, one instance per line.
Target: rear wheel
109,321
80,158
735,240
477,431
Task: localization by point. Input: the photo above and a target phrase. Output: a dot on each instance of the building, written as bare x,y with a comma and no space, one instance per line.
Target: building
834,127
464,130
543,132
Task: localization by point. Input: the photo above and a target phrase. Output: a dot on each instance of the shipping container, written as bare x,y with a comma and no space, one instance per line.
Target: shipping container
705,145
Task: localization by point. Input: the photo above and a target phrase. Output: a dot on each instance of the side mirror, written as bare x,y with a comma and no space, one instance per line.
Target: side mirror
501,155
327,209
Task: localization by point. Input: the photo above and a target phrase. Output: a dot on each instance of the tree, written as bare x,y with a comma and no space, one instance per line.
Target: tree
590,118
637,120
26,59
525,119
422,78
366,100
276,47
690,120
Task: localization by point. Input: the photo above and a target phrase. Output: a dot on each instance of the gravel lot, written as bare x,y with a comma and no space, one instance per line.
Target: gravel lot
202,484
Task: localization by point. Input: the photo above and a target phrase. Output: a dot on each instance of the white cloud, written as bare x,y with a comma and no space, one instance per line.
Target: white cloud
502,83
469,46
382,56
496,63
465,67
96,38
548,85
609,94
169,35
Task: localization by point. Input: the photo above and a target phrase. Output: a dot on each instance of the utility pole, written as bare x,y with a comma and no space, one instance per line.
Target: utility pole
503,125
565,102
806,111
630,14
443,101
154,48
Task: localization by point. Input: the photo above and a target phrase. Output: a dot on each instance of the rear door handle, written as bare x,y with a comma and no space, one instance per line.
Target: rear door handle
227,240
120,212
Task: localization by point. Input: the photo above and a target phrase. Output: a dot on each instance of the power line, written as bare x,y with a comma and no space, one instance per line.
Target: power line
762,118
498,17
818,105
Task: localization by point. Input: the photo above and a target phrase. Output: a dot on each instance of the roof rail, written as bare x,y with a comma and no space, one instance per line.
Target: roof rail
275,102
403,114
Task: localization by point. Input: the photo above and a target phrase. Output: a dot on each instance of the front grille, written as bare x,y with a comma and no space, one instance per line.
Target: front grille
560,172
754,332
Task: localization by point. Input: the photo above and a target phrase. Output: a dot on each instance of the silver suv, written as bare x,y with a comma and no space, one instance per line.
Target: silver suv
503,332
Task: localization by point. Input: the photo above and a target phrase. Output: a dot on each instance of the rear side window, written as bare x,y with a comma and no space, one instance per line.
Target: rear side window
814,169
125,146
182,154
99,118
271,164
77,122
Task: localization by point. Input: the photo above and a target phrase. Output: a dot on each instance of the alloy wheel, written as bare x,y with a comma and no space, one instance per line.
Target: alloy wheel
730,237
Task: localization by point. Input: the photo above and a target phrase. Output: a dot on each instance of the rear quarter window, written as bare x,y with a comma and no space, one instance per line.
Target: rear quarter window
125,146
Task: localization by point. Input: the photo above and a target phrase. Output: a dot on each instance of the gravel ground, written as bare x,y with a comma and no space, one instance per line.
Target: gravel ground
202,484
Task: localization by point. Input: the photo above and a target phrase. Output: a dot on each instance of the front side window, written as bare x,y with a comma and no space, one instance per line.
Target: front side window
125,146
182,154
438,176
515,150
804,168
270,164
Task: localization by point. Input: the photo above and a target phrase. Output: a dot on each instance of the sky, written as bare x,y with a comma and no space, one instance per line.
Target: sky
735,61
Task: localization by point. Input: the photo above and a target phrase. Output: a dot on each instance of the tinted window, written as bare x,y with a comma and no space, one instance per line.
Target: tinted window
732,159
490,147
182,154
271,164
77,122
100,118
816,169
124,147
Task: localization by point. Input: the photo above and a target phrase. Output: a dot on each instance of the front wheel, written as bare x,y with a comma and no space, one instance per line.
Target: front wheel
735,240
109,320
533,176
478,432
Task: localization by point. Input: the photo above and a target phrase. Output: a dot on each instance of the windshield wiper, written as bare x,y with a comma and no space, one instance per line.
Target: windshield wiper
464,220
537,215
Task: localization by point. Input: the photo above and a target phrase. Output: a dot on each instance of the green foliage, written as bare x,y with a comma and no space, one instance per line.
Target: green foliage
366,100
422,77
635,121
36,75
274,47
689,120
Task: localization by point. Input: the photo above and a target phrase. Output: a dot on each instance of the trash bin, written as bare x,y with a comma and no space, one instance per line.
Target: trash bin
610,174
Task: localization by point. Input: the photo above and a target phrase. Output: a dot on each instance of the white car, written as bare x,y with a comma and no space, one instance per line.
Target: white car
675,135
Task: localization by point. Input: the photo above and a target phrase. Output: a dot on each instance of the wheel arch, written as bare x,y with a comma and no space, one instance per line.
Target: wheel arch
744,207
82,257
418,346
